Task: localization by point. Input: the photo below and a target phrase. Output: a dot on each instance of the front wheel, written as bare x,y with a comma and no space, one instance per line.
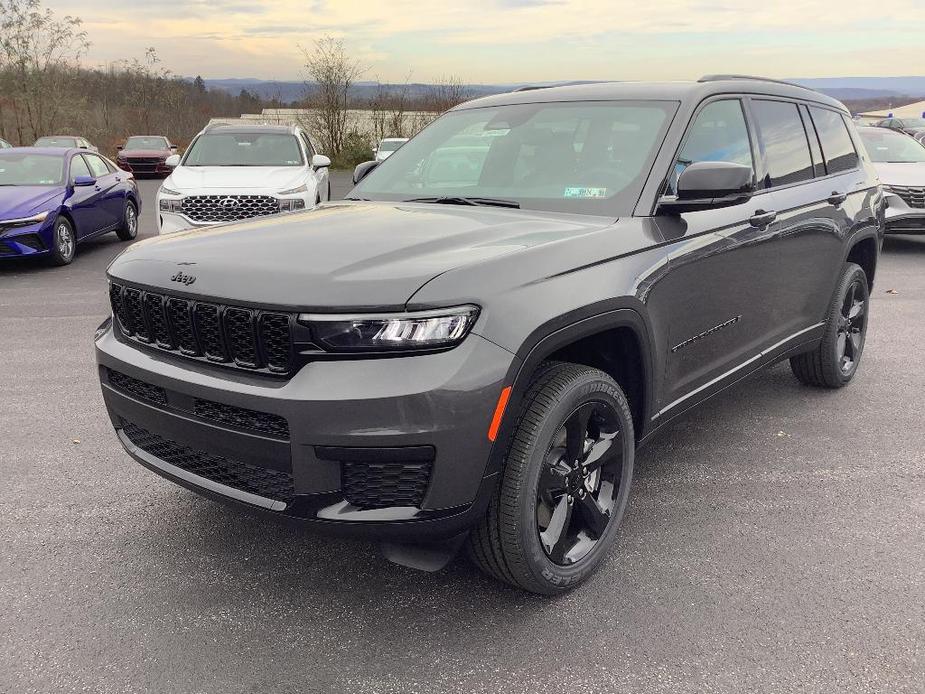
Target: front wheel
835,360
64,243
128,230
565,484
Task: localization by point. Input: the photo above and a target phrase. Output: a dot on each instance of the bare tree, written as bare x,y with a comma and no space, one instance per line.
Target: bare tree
445,93
39,53
330,72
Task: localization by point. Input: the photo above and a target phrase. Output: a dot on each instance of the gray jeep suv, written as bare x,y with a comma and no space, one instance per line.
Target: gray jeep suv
471,347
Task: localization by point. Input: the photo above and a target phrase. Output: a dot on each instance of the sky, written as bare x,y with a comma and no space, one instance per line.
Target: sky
514,41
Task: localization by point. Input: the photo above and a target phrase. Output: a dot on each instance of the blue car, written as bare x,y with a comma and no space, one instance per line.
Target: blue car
53,199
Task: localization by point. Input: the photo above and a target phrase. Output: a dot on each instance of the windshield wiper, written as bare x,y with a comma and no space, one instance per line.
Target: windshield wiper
459,200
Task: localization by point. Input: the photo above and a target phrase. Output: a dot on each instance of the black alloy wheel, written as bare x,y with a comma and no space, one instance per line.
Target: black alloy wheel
852,326
834,360
580,482
565,483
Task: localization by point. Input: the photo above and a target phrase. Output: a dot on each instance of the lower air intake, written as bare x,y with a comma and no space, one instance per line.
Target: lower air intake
369,485
264,482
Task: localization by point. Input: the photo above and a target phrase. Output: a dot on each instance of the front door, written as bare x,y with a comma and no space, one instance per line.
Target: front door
84,201
721,268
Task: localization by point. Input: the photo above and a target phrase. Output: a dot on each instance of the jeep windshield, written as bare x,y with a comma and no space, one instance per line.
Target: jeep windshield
583,157
244,149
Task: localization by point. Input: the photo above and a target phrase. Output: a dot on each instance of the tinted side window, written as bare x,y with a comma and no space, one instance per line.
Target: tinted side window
784,141
837,146
719,133
818,161
97,165
79,167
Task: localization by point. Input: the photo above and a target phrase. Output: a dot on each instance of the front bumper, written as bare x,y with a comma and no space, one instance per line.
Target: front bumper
902,218
158,168
24,242
373,429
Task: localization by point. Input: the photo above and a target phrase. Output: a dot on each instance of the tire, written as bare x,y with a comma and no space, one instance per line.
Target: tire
540,492
63,242
128,229
835,360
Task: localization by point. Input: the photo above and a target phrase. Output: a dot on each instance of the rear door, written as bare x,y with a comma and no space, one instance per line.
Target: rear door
816,217
108,184
721,272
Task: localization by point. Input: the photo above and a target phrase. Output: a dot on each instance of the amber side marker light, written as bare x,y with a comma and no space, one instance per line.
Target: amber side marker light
499,413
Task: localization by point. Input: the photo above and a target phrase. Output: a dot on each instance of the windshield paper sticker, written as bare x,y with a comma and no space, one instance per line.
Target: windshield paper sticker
585,193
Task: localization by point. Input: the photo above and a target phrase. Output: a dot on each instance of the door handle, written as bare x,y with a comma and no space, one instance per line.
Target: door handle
837,198
762,219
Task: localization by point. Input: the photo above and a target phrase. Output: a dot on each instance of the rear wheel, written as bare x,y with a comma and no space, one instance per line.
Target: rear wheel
128,230
835,360
63,242
565,484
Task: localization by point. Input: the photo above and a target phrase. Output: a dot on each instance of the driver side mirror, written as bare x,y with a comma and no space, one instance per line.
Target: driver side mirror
173,161
709,185
83,181
362,170
319,161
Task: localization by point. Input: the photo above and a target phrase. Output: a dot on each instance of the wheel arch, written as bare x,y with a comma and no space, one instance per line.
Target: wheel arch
616,340
864,250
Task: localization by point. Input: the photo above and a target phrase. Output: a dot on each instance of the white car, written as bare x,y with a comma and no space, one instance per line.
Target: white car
387,146
231,172
900,163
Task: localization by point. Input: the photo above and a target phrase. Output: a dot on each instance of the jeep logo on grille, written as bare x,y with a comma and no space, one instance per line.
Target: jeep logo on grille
183,278
229,203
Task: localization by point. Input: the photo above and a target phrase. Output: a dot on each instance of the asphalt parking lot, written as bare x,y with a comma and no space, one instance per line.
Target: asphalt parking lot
773,542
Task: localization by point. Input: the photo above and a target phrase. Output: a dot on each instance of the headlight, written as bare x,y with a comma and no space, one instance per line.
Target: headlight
301,189
23,221
416,330
167,191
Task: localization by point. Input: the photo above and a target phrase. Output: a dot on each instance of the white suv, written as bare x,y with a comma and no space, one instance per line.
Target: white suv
233,172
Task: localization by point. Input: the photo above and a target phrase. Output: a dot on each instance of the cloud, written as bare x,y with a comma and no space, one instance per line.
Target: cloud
510,40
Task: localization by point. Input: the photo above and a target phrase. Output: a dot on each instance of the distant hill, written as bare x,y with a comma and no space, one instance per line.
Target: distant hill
842,88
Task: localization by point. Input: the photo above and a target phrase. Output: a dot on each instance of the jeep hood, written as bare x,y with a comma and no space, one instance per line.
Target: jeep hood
192,179
345,255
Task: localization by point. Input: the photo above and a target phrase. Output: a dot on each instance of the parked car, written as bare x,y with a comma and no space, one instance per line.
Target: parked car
65,142
387,146
900,162
146,154
911,126
52,199
473,354
231,173
5,145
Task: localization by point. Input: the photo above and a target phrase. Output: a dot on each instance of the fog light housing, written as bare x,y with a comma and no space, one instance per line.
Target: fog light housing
291,205
168,205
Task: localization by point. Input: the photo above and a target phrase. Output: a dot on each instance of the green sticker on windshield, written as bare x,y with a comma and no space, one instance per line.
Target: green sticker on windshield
585,193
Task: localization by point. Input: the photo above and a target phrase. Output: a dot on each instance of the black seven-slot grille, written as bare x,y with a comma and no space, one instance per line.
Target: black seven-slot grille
265,482
231,415
240,337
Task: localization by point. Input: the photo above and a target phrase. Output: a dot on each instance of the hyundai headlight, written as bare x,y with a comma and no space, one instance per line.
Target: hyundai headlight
295,191
23,221
291,205
411,331
168,191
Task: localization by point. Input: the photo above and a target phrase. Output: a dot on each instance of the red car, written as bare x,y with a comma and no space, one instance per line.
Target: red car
146,154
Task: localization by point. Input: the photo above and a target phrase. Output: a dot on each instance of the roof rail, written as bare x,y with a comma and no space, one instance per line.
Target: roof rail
577,83
720,78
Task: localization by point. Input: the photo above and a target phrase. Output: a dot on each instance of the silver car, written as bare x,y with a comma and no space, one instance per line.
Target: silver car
900,163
